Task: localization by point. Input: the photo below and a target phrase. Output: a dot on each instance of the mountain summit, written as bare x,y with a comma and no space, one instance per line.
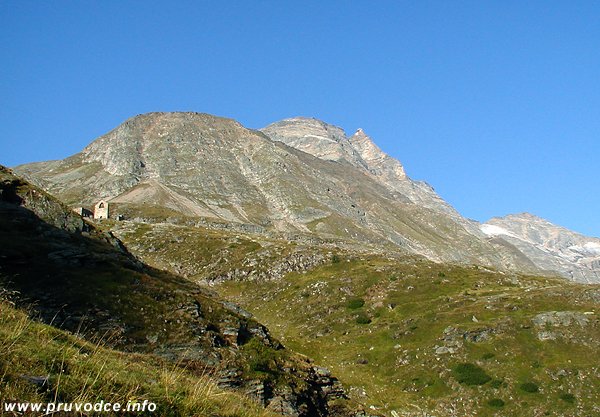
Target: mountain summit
327,142
299,177
330,142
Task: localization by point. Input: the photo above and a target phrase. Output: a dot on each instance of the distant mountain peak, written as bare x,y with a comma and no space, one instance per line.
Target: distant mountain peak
524,215
363,142
550,247
529,218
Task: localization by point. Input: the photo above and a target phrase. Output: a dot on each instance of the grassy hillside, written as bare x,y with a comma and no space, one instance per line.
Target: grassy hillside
414,336
39,363
201,254
405,334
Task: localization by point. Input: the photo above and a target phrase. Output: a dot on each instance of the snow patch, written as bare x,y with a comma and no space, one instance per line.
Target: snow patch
595,246
493,230
588,248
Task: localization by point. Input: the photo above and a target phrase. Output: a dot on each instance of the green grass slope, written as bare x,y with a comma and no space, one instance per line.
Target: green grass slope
404,334
74,370
407,336
415,337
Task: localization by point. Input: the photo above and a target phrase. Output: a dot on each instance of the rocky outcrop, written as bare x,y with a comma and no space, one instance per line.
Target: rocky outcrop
553,325
276,269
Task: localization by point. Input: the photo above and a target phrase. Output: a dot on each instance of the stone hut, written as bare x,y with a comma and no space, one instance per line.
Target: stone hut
101,210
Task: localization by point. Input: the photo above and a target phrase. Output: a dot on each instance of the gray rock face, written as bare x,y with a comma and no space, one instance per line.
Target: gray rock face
550,247
331,143
299,177
560,319
315,137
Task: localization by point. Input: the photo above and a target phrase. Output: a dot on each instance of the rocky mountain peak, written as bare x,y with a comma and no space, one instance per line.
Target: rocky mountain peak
306,127
523,216
330,142
130,148
377,160
361,140
314,137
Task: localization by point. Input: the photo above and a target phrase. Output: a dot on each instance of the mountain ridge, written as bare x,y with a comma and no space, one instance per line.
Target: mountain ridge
300,176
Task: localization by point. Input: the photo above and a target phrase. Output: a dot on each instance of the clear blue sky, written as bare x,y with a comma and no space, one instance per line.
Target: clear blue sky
494,103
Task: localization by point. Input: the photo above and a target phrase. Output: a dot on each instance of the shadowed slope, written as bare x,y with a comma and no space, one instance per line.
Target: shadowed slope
83,279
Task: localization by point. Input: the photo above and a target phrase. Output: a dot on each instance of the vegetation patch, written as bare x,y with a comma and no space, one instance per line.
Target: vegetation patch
355,303
497,383
262,360
568,397
470,374
362,318
530,387
496,403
